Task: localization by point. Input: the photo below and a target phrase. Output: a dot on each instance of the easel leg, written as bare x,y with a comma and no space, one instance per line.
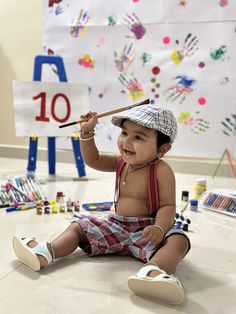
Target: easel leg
32,156
78,157
51,155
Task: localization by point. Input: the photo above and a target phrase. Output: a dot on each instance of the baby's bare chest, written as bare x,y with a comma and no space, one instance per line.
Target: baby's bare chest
134,184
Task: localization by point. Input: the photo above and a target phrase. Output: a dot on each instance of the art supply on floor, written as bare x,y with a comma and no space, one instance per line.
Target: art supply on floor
185,196
103,206
199,188
221,201
20,189
184,200
181,222
193,205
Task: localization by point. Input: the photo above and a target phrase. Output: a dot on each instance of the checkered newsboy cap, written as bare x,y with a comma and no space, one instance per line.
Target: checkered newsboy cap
152,117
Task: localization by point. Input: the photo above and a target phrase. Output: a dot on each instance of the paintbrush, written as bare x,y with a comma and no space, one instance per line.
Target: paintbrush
107,113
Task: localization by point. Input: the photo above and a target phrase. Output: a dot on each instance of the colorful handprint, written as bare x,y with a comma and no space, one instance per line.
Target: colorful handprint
79,24
126,58
181,89
195,125
135,25
133,86
188,49
229,124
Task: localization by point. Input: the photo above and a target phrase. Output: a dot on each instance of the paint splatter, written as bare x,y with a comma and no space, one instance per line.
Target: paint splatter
224,80
188,49
87,62
193,123
112,20
229,124
145,58
155,70
166,40
50,52
101,95
223,3
181,89
201,64
55,7
202,101
125,59
101,41
132,86
52,2
79,24
155,85
183,3
135,25
58,10
219,53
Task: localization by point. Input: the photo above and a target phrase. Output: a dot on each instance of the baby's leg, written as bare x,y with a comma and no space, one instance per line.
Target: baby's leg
170,254
64,244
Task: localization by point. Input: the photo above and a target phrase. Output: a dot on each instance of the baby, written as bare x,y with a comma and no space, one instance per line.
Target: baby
144,206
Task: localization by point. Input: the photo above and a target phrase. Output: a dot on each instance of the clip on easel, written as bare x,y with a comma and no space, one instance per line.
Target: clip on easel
33,142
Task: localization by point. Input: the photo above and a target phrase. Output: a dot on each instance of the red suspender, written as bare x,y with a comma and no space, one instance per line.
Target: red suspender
153,202
119,167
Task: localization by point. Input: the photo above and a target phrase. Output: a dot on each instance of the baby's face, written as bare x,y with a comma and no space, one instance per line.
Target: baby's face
137,144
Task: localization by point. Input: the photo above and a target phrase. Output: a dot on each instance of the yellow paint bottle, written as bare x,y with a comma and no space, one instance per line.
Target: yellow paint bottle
199,188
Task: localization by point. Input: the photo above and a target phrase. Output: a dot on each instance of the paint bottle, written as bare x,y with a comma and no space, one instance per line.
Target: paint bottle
184,200
194,205
59,196
199,188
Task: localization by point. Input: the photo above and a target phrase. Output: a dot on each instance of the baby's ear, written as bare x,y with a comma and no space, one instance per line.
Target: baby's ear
163,150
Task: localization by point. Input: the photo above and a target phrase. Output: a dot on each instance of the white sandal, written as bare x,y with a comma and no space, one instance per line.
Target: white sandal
164,287
28,255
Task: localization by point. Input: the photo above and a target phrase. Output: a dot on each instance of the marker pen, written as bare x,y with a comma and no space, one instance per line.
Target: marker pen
10,209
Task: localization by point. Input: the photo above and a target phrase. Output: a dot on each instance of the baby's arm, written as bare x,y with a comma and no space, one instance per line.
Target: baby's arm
167,204
92,157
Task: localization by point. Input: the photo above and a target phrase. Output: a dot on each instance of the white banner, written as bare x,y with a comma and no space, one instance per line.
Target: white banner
40,107
178,53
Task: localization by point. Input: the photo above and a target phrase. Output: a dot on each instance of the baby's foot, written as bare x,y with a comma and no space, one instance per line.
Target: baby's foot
151,281
42,260
32,253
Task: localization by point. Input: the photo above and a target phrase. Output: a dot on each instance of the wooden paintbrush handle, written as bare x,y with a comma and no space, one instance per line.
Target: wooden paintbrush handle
108,113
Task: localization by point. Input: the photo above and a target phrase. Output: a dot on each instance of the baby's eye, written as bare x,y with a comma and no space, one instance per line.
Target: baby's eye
123,132
137,137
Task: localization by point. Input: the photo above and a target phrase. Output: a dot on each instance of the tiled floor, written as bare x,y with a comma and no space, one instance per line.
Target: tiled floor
79,284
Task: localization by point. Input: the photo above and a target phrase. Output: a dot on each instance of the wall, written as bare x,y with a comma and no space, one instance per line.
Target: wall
20,41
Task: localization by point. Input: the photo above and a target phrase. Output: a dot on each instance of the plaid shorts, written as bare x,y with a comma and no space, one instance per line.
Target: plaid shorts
120,235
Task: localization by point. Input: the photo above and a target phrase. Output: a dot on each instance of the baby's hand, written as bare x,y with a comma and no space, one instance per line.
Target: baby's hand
153,233
91,122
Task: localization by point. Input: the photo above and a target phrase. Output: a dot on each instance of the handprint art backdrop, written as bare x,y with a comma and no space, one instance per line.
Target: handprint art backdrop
179,54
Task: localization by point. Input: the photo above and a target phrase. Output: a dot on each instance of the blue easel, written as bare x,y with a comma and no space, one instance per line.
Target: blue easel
33,142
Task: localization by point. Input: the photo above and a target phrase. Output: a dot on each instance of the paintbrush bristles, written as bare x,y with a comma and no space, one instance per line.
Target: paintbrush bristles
108,113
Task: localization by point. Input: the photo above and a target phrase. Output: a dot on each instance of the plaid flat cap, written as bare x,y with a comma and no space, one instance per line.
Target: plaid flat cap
152,117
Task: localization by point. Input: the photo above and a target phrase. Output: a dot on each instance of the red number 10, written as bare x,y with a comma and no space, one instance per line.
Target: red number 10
42,116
